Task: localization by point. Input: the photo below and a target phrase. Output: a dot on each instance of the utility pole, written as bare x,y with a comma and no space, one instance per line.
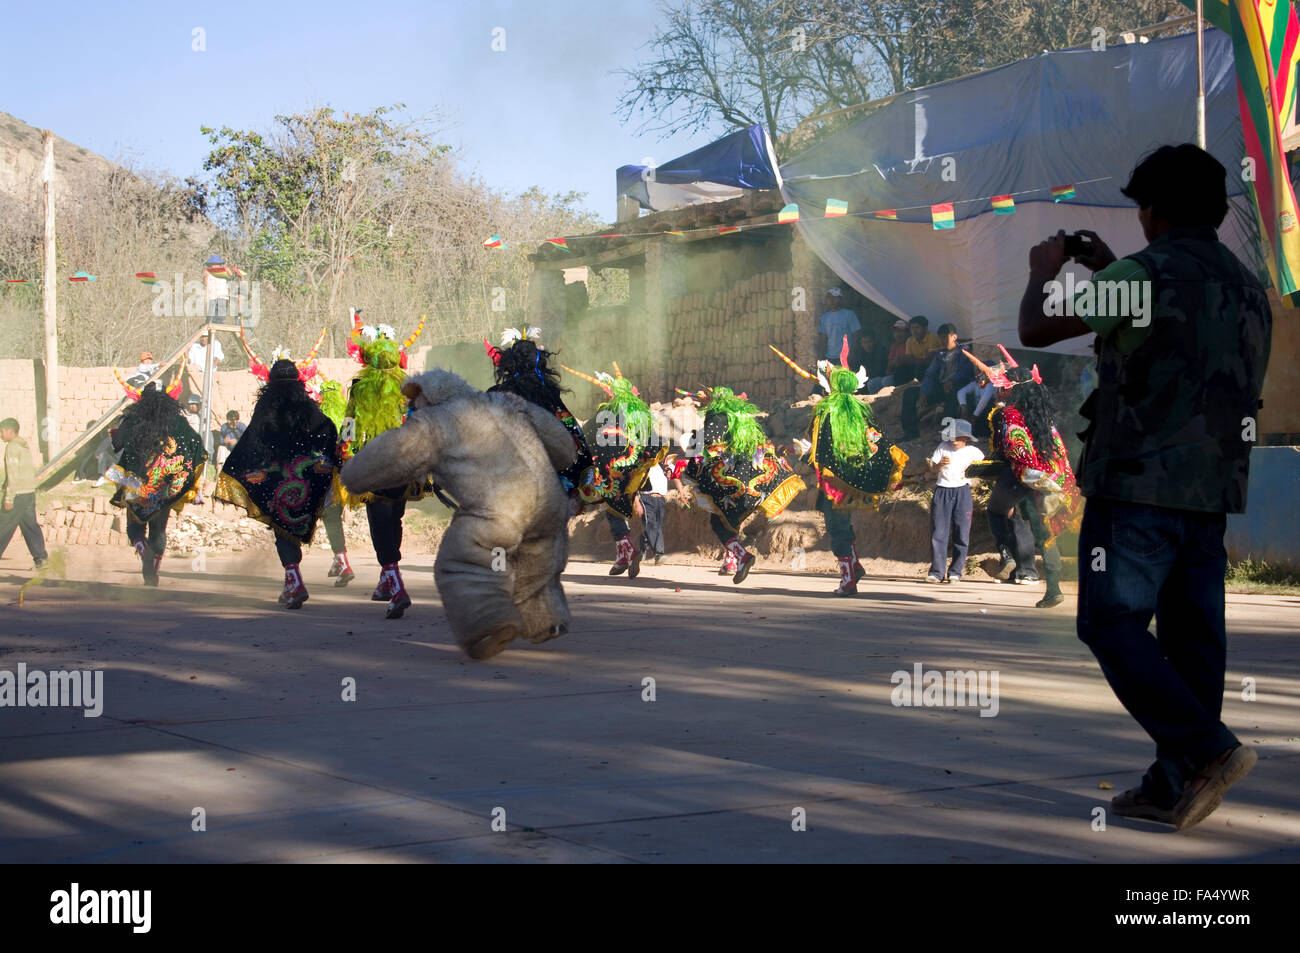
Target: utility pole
49,288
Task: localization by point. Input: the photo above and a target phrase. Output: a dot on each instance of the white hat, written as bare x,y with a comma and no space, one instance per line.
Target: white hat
901,323
961,428
834,292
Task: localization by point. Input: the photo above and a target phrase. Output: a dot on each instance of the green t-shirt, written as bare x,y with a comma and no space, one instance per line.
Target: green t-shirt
1127,336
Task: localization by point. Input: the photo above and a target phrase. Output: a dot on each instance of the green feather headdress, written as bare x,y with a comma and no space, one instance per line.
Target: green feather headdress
628,406
376,403
743,432
849,416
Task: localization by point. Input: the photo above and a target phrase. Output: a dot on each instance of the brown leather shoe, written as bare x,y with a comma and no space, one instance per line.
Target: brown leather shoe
1133,803
1203,794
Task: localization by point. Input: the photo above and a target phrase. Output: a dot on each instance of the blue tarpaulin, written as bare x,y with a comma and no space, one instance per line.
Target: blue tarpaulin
721,170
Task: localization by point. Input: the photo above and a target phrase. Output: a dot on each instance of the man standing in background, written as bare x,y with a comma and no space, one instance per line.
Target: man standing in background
19,494
837,322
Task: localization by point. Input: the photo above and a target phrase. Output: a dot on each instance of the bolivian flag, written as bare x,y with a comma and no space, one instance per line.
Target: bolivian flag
1004,205
1265,49
723,229
558,243
148,277
835,208
942,215
887,214
493,242
1062,193
788,214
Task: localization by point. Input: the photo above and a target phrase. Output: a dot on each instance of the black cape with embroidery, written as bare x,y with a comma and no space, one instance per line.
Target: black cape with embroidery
166,476
283,476
737,485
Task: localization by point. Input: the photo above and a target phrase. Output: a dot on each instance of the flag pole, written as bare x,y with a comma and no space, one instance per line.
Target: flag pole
1200,75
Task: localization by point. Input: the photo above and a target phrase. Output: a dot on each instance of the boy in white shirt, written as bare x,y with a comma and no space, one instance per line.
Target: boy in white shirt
950,510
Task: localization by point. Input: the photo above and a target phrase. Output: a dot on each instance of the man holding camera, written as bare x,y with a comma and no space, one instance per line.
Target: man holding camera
1166,456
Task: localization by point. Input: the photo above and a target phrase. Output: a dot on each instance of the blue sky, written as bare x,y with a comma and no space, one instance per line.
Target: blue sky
121,78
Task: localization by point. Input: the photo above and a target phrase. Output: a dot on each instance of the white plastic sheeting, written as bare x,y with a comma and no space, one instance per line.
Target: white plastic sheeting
1079,117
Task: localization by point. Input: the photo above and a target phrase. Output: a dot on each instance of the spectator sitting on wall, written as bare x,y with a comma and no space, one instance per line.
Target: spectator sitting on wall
230,433
898,349
917,350
97,458
947,373
143,370
836,322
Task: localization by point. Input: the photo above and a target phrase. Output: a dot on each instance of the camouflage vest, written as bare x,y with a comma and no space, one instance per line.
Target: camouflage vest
1166,421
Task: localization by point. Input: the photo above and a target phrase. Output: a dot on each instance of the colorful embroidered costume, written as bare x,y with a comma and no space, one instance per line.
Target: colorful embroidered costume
329,394
158,471
1034,498
522,367
855,463
283,469
376,405
626,445
737,471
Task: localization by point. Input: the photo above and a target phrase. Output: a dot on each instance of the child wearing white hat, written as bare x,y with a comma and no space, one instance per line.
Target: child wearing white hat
952,505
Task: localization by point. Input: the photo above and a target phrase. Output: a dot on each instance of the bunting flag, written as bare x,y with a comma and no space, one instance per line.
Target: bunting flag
1062,193
493,242
887,214
942,215
788,214
1004,205
836,208
723,229
235,272
614,235
558,243
148,277
15,281
1266,50
82,276
675,232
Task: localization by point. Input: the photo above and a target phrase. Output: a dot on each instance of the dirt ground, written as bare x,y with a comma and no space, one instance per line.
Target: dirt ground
681,719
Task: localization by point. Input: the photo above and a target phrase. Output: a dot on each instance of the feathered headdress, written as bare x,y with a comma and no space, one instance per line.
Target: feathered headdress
624,401
508,338
824,369
997,376
363,337
307,369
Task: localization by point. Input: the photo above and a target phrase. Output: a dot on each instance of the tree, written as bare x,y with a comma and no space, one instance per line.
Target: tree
725,64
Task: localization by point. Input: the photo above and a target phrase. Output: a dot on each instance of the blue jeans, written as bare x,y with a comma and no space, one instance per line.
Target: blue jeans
1170,564
950,516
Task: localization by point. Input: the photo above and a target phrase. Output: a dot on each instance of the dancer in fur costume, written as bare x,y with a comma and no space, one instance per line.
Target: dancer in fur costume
626,446
1033,477
329,394
158,471
855,463
522,367
738,471
499,563
375,406
282,470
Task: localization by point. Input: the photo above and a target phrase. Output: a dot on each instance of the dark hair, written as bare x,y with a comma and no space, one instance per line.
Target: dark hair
1184,185
232,413
152,417
946,329
921,320
1034,401
284,398
9,424
525,369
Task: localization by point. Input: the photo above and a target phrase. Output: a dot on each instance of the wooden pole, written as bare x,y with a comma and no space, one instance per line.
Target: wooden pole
49,290
1200,76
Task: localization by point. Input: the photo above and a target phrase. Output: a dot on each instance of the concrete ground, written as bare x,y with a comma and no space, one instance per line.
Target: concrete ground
772,701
